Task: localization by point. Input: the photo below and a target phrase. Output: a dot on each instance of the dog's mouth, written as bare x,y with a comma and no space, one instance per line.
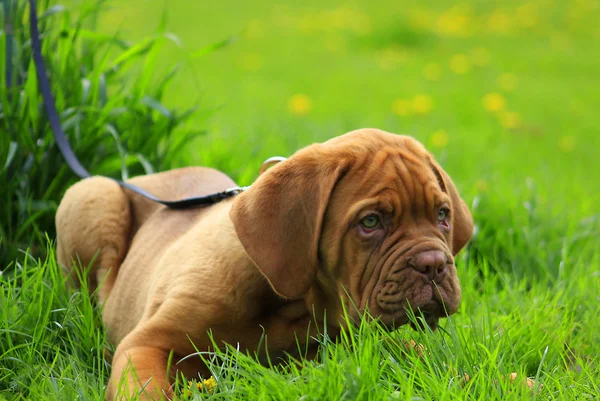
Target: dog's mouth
418,323
429,302
427,319
418,317
419,320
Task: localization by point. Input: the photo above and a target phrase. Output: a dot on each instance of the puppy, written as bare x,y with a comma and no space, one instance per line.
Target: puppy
367,220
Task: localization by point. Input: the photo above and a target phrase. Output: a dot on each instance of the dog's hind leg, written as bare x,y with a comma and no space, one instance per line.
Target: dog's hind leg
93,224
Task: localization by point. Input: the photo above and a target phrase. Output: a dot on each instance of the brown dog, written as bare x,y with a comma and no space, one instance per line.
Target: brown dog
367,219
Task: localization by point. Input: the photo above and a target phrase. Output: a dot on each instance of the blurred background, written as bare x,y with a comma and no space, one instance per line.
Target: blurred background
500,84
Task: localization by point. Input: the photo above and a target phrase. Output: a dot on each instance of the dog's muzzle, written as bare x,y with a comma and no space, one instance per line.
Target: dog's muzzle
427,285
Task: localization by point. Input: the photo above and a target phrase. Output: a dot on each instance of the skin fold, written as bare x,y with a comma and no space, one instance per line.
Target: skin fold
366,220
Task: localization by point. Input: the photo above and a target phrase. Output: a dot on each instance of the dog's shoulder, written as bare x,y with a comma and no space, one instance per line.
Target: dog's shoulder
173,185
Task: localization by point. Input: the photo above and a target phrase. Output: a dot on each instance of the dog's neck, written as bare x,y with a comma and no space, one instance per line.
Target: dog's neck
323,301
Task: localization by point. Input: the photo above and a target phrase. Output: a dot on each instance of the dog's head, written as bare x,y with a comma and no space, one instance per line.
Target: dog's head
368,217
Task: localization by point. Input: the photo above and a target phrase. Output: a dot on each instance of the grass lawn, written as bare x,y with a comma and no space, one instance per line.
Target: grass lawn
505,94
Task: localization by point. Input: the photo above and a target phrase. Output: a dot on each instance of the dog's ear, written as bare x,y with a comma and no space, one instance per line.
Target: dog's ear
279,219
461,221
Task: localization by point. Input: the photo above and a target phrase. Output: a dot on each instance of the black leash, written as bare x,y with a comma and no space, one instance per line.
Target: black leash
63,143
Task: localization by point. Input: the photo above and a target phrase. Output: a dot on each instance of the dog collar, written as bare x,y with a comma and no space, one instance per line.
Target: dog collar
271,161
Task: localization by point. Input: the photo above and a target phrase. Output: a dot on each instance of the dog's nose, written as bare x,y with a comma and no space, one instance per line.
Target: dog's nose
430,263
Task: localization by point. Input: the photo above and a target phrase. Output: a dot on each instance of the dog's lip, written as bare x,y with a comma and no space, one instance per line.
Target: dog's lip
430,319
417,324
422,318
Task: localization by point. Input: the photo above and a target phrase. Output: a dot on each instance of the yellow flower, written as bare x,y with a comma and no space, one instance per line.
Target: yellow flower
456,21
389,58
299,104
401,107
360,24
420,17
439,139
460,64
527,15
481,185
567,143
507,82
337,18
510,119
250,62
493,102
480,56
334,44
254,30
334,20
311,23
208,385
422,104
432,72
499,22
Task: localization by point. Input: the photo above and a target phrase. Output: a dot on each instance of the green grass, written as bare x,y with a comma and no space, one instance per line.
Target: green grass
112,112
531,275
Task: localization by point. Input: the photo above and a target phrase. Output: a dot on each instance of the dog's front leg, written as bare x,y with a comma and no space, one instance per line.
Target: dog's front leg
140,363
140,369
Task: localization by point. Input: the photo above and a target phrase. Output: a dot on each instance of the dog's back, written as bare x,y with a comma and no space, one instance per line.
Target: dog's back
97,220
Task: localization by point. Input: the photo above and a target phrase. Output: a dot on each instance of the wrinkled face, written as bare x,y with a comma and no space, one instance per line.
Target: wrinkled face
367,217
387,236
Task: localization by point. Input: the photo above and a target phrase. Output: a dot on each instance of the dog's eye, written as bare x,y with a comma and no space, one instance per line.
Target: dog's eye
370,222
443,218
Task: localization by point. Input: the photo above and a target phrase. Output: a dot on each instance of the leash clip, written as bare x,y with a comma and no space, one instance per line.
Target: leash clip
269,162
235,190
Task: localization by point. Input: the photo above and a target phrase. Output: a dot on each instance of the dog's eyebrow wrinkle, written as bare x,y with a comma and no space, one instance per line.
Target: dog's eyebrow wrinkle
419,181
381,191
406,177
402,197
364,162
406,182
425,190
381,157
430,196
439,177
408,156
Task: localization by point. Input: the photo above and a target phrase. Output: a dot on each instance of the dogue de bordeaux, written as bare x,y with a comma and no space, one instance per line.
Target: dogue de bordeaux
366,220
